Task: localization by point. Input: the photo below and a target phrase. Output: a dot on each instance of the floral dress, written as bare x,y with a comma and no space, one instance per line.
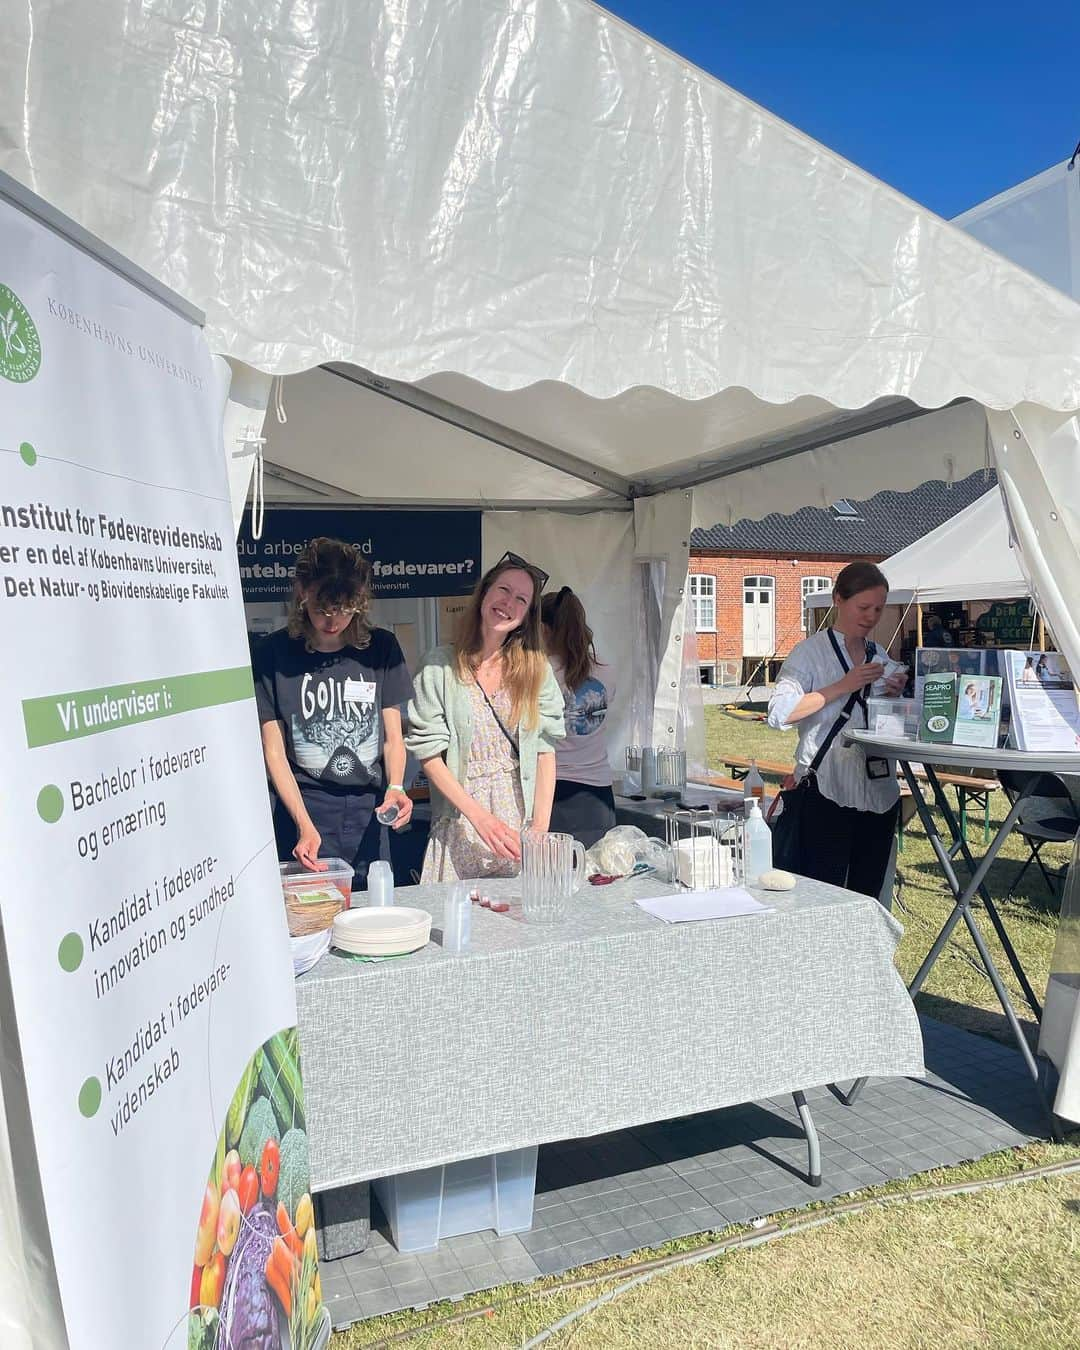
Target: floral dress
456,852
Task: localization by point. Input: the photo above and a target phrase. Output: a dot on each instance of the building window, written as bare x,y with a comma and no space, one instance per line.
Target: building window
811,586
707,676
764,586
703,601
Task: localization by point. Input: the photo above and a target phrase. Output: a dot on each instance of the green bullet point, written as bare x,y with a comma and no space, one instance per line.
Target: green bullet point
90,1097
50,804
28,453
70,953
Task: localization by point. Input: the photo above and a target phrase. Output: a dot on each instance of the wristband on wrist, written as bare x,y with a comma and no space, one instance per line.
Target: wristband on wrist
395,787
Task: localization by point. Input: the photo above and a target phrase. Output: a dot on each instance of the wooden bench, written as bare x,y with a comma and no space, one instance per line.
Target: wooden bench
969,790
717,781
740,767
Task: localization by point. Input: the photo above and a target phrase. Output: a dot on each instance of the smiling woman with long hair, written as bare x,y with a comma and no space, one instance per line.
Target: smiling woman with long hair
484,722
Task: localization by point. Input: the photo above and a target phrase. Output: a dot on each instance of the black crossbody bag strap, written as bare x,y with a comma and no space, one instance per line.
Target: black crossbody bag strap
855,698
499,721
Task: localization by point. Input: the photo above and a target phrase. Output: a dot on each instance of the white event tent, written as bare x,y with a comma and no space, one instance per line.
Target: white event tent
969,557
516,254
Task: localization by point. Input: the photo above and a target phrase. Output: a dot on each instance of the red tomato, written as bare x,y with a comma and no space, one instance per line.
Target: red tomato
248,1190
270,1167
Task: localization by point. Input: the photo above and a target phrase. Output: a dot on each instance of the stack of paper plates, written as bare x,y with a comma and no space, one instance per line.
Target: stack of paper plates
389,930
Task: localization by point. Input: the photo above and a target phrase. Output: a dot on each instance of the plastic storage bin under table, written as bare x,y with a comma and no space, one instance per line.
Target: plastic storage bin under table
496,1192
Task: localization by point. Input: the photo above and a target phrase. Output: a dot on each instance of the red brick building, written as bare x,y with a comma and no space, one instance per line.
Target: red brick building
748,582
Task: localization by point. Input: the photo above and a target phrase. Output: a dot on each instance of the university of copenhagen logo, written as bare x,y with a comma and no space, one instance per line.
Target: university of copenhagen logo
20,346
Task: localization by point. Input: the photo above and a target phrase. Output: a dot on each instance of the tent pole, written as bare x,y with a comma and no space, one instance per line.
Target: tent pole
918,625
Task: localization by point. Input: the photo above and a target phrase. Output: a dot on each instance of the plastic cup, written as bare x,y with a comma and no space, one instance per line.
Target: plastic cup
380,884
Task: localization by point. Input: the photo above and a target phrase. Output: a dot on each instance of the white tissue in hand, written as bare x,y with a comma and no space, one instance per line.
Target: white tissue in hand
776,879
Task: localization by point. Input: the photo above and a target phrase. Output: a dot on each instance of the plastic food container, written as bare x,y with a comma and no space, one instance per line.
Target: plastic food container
896,717
464,1197
314,899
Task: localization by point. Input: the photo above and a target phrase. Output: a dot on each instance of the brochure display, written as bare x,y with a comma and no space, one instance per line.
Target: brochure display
938,718
978,710
961,695
147,955
1045,715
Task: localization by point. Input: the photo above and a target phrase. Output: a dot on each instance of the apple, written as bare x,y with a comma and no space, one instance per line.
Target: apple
230,1172
207,1232
228,1226
213,1281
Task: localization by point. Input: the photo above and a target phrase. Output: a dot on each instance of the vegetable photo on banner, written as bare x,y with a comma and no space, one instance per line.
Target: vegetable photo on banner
255,1281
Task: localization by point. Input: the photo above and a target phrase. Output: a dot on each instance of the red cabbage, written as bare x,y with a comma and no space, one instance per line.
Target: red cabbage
249,1315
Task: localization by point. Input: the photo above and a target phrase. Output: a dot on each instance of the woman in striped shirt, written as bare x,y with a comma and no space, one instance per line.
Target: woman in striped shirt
841,826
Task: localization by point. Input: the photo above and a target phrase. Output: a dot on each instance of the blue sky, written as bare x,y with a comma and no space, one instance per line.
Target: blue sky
949,102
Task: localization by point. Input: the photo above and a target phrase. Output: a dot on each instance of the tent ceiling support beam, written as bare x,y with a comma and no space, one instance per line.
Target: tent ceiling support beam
771,451
487,429
316,485
339,497
411,504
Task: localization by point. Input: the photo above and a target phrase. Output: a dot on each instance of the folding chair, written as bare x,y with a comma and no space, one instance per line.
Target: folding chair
1043,821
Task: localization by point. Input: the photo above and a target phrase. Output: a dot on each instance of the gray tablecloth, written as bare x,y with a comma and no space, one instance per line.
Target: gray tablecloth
607,1020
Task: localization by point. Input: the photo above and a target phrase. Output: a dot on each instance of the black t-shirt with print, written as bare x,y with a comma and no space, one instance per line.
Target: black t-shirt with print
331,705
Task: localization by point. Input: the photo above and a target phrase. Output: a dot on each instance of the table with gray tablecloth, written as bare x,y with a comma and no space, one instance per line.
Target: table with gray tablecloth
606,1020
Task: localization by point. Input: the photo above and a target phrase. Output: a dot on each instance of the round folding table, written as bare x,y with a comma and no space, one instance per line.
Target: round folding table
978,759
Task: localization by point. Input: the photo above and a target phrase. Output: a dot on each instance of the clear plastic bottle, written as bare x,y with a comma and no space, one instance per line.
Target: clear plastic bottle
753,783
457,919
758,845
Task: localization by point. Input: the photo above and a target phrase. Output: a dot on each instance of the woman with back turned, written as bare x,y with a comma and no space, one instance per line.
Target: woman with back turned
584,804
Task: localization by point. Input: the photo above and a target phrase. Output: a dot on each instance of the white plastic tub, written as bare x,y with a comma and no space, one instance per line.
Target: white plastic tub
466,1197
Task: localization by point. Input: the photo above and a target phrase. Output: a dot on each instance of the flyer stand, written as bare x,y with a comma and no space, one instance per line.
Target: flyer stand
977,759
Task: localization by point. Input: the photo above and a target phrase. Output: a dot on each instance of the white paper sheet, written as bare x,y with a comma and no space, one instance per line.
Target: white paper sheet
726,903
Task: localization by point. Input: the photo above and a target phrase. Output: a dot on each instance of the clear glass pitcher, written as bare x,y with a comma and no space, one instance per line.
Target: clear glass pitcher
552,870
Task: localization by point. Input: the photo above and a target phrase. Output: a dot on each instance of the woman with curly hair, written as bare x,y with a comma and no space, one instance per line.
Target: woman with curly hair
329,689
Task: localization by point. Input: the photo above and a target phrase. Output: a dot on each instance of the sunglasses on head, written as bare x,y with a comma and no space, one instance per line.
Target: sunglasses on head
516,560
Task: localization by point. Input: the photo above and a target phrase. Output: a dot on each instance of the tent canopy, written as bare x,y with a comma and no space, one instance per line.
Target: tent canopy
969,557
604,275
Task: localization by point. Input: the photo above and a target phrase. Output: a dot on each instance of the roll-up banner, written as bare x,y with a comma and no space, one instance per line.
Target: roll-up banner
148,958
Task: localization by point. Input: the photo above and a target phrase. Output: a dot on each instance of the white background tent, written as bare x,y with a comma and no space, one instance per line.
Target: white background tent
1036,224
969,557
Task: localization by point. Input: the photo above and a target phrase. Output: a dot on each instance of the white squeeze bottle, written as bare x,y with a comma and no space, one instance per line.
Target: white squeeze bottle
753,783
758,845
